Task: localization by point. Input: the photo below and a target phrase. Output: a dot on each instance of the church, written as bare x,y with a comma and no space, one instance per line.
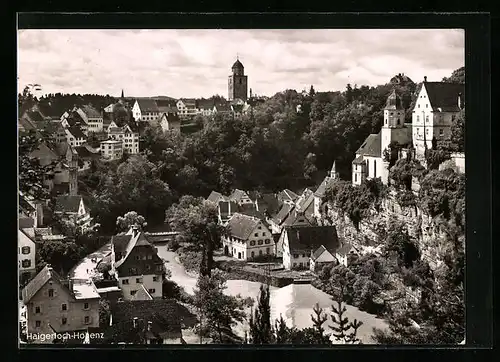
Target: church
436,106
237,83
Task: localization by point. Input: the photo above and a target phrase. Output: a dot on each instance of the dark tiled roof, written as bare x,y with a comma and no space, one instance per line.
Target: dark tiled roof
216,197
317,253
223,108
312,237
237,195
91,112
171,103
250,210
241,226
68,203
168,109
26,222
305,200
227,208
320,192
189,102
26,124
268,203
50,110
394,102
120,243
45,152
206,104
24,205
444,95
372,146
358,160
147,105
237,64
296,218
35,116
39,281
85,153
287,195
76,132
142,266
167,316
75,119
344,249
285,211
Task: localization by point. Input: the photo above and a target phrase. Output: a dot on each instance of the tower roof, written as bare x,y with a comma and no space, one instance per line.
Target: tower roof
237,64
394,101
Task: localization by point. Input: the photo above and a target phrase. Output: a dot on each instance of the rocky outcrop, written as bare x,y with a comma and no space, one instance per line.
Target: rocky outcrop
427,232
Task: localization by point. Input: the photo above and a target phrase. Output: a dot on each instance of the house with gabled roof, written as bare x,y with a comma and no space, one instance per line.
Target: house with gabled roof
157,321
240,197
169,121
277,221
343,252
72,208
145,109
135,262
226,210
299,241
215,197
319,258
128,136
436,107
75,136
92,117
55,305
206,106
288,197
248,238
187,107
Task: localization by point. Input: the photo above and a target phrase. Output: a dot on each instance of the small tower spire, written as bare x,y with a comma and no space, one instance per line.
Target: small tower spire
333,171
122,96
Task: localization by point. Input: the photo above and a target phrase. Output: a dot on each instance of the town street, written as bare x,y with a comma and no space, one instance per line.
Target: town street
85,267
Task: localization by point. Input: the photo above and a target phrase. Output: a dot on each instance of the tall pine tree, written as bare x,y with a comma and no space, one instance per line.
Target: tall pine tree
260,323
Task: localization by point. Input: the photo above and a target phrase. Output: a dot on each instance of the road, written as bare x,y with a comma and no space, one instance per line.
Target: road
85,267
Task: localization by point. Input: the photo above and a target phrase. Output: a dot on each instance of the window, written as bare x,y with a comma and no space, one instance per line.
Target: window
37,310
64,321
125,281
392,113
268,250
51,293
64,306
419,106
132,271
150,257
252,242
132,292
427,131
260,227
260,242
25,250
152,291
356,177
256,234
268,241
138,280
155,279
38,324
418,118
87,319
301,265
294,265
159,268
26,263
386,121
263,234
260,252
295,256
441,132
426,106
85,305
307,264
253,254
427,118
399,121
303,255
137,257
240,80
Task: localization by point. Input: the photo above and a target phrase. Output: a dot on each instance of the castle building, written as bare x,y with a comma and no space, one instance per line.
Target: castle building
238,83
370,161
437,105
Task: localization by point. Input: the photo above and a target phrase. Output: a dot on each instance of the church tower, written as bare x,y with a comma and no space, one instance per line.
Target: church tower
72,160
333,172
393,128
237,82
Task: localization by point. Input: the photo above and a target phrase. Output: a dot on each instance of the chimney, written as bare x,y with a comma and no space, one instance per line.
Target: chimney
70,284
149,326
135,322
135,230
425,78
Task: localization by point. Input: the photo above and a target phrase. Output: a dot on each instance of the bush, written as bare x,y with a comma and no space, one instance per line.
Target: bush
173,245
190,259
170,289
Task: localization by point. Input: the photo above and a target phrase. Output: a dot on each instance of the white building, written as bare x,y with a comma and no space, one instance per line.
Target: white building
135,263
320,257
92,117
26,248
248,238
112,149
187,107
128,137
145,109
437,105
75,136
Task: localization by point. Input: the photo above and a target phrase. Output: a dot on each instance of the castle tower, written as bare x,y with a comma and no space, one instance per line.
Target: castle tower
122,96
393,128
237,82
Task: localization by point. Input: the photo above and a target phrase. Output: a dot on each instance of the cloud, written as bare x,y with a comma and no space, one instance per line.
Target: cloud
197,62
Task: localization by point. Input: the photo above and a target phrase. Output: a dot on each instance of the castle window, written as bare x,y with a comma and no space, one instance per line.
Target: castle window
64,307
25,250
64,321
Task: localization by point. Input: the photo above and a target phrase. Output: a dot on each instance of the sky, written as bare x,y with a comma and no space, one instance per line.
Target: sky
197,63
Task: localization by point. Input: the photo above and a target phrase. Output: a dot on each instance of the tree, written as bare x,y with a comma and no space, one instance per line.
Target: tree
131,218
458,76
312,92
62,255
260,324
198,222
218,311
344,331
318,319
457,139
104,312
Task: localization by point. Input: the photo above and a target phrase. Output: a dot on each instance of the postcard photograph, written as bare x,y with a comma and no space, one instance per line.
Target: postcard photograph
241,186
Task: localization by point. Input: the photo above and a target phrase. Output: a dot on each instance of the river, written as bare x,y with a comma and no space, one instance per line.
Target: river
294,302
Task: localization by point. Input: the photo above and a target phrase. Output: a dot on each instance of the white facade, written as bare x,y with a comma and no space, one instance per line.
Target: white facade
74,141
259,243
112,149
26,254
342,259
294,259
185,110
129,139
131,284
136,111
325,257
